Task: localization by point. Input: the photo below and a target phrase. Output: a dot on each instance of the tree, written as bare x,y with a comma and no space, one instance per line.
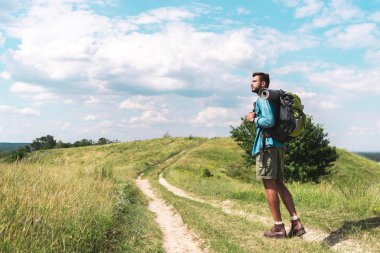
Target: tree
244,135
61,144
103,141
44,142
83,142
308,156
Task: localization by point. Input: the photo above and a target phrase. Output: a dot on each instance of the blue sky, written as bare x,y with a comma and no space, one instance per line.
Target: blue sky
131,70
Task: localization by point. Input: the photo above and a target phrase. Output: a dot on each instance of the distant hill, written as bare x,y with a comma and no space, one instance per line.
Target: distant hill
6,146
370,155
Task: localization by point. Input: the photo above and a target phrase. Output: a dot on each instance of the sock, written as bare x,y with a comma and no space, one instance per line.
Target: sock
278,223
295,217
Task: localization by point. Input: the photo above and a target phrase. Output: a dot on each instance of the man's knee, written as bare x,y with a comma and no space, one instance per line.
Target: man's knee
281,187
270,184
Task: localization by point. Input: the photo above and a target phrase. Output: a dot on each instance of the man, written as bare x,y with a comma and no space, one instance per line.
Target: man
270,161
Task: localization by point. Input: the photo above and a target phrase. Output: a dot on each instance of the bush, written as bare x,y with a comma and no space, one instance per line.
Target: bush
44,142
17,155
206,173
307,158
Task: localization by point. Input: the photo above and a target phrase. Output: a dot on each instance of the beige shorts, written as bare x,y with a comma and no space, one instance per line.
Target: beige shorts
270,164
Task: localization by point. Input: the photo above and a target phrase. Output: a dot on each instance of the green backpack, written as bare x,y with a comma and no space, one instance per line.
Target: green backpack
290,120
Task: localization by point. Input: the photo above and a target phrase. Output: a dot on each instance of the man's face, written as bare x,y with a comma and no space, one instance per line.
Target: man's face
256,84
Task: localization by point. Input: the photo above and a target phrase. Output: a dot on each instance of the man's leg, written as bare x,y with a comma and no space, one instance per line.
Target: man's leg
265,171
297,228
272,198
286,197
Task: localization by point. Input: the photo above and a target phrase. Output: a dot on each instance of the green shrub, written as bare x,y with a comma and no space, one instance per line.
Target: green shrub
307,158
17,155
207,173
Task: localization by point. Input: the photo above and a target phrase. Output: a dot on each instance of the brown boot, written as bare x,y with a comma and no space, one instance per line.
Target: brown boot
278,232
297,228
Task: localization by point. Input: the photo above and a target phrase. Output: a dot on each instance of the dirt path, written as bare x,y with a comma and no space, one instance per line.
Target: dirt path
336,242
177,238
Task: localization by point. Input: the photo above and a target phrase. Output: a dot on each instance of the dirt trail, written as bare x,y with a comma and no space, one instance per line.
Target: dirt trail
336,242
177,238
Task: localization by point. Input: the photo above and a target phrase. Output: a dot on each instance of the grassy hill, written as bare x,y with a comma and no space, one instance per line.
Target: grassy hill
85,200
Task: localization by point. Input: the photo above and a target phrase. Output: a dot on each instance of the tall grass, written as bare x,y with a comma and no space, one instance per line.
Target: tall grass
50,208
82,199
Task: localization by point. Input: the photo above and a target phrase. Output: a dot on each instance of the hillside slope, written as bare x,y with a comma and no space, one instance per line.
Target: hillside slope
85,199
347,202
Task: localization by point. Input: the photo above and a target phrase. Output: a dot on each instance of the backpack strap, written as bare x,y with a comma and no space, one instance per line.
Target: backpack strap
264,135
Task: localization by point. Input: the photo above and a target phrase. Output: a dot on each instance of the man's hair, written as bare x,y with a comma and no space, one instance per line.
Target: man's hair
263,77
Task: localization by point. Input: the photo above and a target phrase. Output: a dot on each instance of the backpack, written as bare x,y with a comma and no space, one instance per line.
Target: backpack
290,120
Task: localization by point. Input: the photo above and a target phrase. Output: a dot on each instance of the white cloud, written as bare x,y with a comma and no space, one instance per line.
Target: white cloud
309,8
15,110
242,11
336,12
105,123
90,117
373,56
32,92
378,124
375,16
353,36
150,117
137,103
327,105
5,75
68,101
324,14
305,95
215,116
2,39
66,125
42,97
360,130
19,87
64,48
161,15
92,100
289,3
300,67
346,78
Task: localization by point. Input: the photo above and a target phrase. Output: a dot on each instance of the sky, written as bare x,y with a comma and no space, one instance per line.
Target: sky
130,70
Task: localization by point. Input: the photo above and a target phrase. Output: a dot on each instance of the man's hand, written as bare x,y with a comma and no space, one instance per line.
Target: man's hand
250,116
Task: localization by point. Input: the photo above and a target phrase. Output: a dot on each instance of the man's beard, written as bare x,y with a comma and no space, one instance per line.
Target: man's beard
256,90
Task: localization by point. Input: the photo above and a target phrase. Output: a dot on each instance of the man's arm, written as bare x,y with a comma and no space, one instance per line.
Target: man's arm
266,119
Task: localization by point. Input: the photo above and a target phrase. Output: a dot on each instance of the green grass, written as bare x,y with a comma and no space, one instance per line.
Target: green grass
230,233
84,199
349,196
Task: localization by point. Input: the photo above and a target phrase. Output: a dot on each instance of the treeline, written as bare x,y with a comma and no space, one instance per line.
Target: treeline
48,142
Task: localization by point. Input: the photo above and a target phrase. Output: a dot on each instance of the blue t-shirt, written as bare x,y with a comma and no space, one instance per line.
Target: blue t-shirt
265,118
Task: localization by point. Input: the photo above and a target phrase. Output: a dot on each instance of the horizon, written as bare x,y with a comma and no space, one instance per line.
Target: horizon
1,142
80,69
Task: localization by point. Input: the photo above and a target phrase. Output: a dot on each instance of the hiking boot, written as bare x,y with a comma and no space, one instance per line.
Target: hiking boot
297,228
278,232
